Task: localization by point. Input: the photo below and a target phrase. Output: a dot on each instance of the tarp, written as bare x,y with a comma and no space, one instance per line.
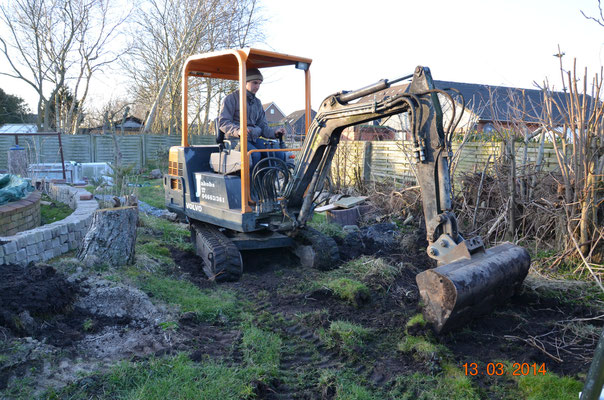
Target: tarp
13,188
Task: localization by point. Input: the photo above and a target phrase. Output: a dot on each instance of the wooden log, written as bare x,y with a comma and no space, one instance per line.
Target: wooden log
111,237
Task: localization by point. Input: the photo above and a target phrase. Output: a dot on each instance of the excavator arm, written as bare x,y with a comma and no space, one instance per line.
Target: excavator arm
469,280
431,148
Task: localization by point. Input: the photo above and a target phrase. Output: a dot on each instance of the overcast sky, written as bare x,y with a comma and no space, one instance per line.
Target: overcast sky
354,43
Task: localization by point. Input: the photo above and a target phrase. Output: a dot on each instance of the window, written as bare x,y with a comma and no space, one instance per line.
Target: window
272,111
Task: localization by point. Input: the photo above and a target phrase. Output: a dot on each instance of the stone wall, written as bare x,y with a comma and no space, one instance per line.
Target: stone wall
20,215
52,240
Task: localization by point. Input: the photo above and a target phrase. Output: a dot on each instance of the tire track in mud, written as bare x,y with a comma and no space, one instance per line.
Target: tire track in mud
303,355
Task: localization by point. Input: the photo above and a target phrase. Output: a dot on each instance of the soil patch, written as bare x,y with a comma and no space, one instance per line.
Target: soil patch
31,294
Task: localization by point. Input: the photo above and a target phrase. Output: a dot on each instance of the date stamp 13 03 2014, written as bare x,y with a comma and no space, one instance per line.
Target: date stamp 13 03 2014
499,369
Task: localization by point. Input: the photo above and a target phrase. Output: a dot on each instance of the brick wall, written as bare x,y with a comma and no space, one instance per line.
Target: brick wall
52,240
20,215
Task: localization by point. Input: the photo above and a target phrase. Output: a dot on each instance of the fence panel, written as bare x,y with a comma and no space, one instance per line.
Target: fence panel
77,148
102,147
131,147
6,142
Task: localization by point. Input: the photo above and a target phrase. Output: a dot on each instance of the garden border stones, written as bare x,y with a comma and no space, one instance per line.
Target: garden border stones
52,240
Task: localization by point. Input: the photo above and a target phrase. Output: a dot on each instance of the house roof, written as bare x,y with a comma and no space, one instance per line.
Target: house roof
18,128
489,102
130,122
296,115
267,105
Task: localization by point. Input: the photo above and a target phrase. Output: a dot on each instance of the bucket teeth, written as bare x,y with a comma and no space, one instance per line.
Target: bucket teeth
455,293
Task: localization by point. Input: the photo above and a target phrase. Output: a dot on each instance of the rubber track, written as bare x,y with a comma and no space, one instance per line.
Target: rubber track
325,247
227,259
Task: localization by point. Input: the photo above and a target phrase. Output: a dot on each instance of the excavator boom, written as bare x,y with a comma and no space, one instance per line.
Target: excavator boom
469,280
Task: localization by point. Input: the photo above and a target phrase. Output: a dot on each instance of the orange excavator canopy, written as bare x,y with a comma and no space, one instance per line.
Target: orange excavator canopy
225,64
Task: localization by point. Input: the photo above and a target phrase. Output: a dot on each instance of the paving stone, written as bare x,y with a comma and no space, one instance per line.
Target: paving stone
21,256
47,234
32,249
30,238
10,248
20,241
48,254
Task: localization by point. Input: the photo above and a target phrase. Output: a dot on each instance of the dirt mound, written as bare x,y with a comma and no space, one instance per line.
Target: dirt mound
29,292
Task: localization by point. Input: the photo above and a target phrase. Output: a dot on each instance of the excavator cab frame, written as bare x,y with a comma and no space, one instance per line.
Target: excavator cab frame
233,65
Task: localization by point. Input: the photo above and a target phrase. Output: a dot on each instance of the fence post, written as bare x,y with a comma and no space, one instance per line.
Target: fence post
367,161
143,150
92,148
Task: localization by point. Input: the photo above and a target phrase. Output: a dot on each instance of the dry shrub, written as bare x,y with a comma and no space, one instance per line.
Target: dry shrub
537,219
394,203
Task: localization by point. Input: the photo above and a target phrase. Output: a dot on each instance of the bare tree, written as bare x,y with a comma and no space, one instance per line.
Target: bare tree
53,44
27,24
599,19
167,32
576,125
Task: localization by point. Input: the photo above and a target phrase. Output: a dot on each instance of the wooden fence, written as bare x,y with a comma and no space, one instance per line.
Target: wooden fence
354,161
136,150
393,161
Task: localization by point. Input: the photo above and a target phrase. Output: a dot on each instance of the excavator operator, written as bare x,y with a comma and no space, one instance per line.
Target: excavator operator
257,127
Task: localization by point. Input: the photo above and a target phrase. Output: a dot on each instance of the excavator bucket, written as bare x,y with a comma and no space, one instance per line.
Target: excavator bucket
454,293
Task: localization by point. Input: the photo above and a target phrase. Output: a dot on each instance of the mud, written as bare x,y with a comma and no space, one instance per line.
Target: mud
29,293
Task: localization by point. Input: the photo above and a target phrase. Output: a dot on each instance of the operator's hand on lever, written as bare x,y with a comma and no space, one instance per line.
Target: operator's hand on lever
279,133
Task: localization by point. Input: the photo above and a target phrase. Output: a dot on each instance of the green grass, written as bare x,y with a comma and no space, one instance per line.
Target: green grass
374,272
567,291
172,378
153,248
417,319
19,389
319,222
450,384
548,386
352,291
152,193
346,386
53,212
209,305
176,235
345,336
180,378
353,280
418,345
261,351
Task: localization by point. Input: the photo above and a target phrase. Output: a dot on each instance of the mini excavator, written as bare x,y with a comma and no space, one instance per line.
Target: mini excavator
231,209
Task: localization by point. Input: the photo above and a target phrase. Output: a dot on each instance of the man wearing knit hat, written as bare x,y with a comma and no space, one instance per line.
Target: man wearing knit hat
256,118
